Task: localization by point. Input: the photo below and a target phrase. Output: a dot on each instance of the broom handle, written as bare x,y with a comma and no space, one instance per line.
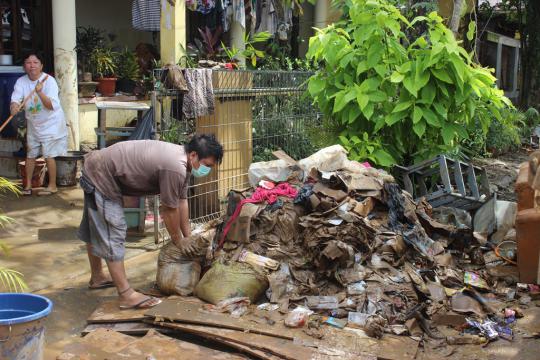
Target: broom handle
21,106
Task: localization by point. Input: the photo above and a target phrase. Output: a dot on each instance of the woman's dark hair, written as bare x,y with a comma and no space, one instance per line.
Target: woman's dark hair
36,54
205,145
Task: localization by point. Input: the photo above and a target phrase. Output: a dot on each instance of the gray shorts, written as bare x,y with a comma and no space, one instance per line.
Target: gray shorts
48,148
103,224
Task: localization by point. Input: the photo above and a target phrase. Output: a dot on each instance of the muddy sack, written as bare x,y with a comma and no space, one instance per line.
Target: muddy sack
228,281
177,274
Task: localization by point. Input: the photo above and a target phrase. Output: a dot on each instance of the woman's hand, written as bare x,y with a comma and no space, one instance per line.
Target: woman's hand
39,87
14,108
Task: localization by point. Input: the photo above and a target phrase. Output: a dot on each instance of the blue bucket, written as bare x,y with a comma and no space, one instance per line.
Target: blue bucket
22,325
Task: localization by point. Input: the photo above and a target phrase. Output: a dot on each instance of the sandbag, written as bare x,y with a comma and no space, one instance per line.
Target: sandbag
177,274
228,281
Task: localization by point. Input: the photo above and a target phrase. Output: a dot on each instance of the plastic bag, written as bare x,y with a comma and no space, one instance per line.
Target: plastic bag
331,158
223,282
275,171
298,317
177,274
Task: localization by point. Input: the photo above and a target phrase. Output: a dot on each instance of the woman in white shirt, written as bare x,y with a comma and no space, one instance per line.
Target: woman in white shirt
47,130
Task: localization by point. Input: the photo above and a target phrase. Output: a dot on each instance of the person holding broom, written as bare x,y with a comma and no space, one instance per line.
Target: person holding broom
37,94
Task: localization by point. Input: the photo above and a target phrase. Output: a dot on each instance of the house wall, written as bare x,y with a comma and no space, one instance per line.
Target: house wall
88,120
113,16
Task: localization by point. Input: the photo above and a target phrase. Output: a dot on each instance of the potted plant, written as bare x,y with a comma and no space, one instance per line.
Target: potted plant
103,61
128,71
88,38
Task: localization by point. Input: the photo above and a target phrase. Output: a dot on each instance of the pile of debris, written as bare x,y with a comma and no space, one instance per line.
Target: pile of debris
321,252
340,239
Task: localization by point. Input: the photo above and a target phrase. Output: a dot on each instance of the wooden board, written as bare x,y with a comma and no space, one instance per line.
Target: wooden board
176,310
127,328
109,312
390,347
106,344
280,347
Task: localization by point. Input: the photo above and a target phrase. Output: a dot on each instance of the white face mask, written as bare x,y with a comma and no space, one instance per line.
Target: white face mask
202,171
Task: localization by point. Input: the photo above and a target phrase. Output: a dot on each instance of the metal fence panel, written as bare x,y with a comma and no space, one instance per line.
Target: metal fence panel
256,113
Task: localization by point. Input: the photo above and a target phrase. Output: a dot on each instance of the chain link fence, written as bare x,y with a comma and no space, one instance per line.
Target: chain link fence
255,113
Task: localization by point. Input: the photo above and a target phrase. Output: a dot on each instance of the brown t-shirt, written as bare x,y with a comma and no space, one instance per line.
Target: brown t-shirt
140,167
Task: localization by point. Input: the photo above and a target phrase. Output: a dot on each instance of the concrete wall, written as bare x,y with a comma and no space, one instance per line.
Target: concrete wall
113,16
88,120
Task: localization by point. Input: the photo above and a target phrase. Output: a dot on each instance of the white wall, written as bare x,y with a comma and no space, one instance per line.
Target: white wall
113,16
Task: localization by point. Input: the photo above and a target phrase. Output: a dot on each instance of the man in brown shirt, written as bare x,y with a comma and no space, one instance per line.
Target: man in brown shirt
138,168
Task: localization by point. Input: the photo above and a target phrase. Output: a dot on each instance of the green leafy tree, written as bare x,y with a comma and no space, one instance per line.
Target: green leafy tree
10,279
396,100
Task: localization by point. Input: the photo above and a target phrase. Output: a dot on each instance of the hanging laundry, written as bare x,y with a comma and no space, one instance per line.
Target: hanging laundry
266,17
199,101
227,15
202,6
146,15
239,11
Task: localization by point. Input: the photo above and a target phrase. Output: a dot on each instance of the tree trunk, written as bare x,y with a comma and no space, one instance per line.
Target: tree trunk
456,16
530,86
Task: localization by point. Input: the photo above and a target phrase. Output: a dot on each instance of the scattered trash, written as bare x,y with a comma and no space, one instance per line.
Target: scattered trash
237,306
339,323
357,319
475,280
268,307
258,260
298,317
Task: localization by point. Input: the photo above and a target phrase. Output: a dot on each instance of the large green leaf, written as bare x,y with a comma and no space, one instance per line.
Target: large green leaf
396,77
402,106
417,114
409,84
448,133
419,128
316,85
383,158
431,117
442,75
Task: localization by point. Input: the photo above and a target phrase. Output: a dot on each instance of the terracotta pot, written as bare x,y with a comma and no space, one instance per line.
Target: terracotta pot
107,86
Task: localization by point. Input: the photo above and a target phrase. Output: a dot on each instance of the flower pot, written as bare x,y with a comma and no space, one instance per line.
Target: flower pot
125,85
107,86
87,88
87,77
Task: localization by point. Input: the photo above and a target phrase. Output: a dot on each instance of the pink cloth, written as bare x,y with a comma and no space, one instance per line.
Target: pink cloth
260,195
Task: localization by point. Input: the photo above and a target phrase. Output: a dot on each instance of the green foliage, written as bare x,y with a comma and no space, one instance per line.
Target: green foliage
251,52
10,280
127,65
103,62
88,39
413,99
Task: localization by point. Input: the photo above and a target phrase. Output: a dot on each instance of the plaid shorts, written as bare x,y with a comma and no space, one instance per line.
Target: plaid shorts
103,224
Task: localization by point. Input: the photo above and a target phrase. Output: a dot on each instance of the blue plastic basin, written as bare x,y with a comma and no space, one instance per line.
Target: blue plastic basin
20,308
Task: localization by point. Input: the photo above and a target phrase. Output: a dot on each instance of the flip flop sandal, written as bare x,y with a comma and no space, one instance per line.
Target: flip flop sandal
26,192
141,305
103,285
47,192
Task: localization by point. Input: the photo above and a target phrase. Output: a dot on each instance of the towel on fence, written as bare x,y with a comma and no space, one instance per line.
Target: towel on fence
199,101
172,78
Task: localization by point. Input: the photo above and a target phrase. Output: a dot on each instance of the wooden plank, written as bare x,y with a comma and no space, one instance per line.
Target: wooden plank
109,312
177,310
106,344
280,347
128,328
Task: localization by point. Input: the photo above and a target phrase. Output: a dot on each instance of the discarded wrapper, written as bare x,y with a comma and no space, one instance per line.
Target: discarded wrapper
298,317
339,323
258,260
474,280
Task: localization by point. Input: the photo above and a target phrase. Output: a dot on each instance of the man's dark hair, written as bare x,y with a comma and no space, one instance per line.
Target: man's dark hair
205,145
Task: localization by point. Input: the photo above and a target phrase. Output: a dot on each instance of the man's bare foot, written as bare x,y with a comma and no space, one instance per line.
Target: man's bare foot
130,299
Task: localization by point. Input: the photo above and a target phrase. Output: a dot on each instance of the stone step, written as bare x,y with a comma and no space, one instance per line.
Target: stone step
9,145
8,165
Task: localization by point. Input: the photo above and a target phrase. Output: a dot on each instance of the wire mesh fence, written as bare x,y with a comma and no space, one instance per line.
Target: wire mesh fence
255,113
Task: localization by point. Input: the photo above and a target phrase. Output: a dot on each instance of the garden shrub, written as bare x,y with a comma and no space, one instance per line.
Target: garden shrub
399,99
